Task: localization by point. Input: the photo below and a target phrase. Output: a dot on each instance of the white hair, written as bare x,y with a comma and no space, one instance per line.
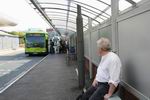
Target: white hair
104,44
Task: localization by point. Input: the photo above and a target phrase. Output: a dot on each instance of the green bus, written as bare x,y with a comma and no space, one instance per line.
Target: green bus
36,42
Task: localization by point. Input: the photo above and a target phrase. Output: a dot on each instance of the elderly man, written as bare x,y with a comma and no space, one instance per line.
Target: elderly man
108,73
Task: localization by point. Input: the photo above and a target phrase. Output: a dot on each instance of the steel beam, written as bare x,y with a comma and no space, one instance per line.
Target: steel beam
77,3
90,47
35,3
100,14
80,48
90,6
104,2
73,12
114,25
132,2
87,9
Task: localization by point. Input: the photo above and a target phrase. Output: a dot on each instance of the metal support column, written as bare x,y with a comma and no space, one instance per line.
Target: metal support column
114,25
80,48
90,47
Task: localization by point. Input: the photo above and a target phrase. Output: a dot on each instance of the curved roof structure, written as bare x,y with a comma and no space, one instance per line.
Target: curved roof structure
63,12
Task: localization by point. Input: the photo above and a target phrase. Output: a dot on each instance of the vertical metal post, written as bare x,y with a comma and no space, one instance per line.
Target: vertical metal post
114,25
80,48
90,47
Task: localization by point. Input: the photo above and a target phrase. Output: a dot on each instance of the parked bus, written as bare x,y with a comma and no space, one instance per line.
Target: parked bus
36,42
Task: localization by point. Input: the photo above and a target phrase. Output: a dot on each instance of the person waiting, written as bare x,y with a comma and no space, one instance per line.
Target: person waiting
108,73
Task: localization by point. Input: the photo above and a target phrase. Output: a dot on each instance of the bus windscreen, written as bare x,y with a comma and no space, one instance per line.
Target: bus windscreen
35,41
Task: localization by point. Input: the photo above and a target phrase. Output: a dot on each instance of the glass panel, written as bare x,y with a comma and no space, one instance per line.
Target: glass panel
88,14
86,26
107,1
123,4
85,20
99,19
72,18
55,1
53,6
64,27
55,11
94,23
72,25
108,11
32,5
73,4
28,1
57,22
54,17
90,8
57,15
103,18
105,15
72,14
73,9
94,3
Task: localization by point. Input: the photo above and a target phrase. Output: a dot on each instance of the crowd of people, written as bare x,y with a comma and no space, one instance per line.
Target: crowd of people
58,46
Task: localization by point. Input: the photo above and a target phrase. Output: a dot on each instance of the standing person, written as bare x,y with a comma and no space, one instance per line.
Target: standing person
58,47
52,47
108,73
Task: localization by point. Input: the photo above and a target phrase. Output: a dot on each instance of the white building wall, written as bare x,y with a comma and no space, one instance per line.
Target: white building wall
1,42
8,42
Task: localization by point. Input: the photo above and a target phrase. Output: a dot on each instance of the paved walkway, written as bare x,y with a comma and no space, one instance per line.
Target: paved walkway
50,80
9,51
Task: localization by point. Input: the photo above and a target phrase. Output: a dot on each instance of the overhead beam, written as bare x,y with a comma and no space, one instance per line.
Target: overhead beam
72,12
35,3
90,6
132,2
87,9
99,14
104,3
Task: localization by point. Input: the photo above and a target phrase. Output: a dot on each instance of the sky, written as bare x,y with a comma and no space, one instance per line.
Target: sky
23,14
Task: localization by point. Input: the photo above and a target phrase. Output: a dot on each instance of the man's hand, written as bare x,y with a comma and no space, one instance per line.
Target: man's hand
95,83
110,92
107,96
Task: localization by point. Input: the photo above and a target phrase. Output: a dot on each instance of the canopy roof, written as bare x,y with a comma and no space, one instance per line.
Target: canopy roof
62,13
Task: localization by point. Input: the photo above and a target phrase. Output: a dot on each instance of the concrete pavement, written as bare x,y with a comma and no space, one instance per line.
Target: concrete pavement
50,80
10,51
13,65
